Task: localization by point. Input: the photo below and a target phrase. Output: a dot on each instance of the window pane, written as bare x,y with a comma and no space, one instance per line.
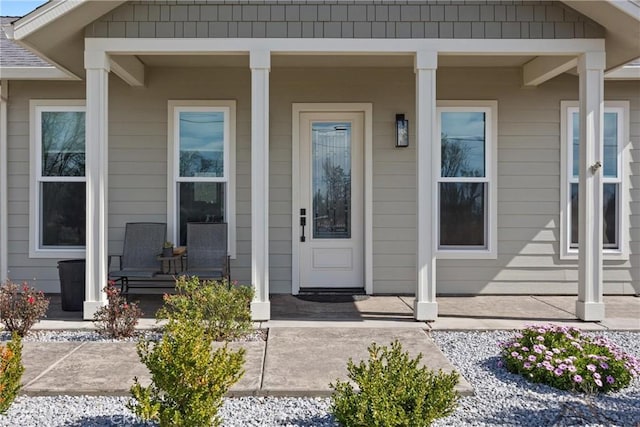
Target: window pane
63,214
610,145
576,143
463,144
609,211
331,172
574,215
610,215
199,202
63,143
202,144
610,149
462,214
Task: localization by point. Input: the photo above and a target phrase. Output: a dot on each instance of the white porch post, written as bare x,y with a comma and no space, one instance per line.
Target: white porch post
97,66
426,63
260,63
591,77
4,216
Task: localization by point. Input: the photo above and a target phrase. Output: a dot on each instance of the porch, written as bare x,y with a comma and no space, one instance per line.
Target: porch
481,312
262,213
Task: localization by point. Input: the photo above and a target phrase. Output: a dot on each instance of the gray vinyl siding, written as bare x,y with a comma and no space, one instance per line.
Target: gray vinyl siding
528,171
345,19
41,273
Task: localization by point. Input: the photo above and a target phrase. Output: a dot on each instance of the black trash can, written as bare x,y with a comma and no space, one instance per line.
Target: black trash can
72,281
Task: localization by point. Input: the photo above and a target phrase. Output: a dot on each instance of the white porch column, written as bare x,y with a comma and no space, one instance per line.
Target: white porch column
426,63
591,77
260,63
97,81
4,226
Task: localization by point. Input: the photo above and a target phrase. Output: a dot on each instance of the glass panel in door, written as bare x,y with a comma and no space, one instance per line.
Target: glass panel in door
331,179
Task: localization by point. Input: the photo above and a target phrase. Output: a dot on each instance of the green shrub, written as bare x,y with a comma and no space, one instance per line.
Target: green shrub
188,379
394,391
11,370
562,357
117,319
223,307
20,309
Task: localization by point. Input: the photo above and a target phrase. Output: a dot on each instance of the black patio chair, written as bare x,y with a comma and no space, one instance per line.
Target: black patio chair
139,260
207,256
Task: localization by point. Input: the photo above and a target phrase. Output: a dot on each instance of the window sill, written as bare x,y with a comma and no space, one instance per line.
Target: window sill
607,255
58,253
466,254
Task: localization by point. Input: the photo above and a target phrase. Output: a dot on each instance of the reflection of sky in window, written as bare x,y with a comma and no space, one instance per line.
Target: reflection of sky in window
202,131
331,145
201,143
63,143
610,149
467,131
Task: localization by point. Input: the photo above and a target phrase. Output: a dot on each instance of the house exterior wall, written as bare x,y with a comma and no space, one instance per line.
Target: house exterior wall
346,19
528,171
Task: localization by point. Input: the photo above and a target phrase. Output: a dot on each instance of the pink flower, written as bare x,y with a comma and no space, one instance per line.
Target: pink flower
558,372
527,365
610,379
599,383
532,358
604,365
591,367
31,300
577,378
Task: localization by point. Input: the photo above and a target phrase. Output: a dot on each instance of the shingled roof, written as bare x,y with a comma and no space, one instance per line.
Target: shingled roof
14,55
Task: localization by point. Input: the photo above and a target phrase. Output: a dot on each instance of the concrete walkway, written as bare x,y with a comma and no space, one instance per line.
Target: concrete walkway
309,342
292,362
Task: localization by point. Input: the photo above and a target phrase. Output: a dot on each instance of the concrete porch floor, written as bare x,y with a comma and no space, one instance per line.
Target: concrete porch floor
455,312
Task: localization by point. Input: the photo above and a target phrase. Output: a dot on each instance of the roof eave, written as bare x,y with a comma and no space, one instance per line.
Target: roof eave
35,73
42,16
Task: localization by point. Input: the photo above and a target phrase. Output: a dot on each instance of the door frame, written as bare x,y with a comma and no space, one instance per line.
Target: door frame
367,110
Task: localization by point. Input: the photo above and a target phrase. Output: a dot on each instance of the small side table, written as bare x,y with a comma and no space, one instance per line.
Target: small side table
178,255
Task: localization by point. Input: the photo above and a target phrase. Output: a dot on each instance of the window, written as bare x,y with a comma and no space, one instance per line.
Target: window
615,131
58,189
466,189
201,166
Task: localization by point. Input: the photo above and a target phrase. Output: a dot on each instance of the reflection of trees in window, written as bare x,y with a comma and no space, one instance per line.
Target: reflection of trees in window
63,140
455,157
63,213
332,216
193,163
462,210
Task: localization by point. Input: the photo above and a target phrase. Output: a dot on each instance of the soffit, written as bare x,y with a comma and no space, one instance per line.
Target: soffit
320,61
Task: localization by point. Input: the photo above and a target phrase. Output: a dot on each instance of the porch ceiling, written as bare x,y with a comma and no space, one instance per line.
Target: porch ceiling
319,61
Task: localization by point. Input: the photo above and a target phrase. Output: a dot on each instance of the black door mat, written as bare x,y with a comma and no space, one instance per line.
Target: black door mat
334,298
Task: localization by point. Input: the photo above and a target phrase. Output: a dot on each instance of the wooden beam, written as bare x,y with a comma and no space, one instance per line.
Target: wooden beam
128,68
543,68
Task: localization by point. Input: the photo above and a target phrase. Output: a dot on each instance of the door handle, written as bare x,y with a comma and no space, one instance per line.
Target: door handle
303,223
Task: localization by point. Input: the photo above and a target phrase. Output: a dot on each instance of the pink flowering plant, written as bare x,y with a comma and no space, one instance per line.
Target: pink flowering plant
564,358
117,319
21,307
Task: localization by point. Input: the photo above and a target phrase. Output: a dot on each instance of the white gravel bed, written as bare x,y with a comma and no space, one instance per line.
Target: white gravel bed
505,399
88,335
99,411
501,399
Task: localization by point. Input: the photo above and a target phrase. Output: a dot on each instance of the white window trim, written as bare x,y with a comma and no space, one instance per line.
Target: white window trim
36,107
490,108
566,109
229,109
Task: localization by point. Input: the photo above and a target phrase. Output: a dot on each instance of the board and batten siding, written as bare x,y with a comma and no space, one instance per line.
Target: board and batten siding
528,171
346,19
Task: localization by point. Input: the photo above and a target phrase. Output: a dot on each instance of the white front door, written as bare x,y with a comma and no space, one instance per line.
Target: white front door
331,202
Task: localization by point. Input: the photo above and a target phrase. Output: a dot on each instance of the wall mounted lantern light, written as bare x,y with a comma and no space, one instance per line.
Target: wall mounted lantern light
402,131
